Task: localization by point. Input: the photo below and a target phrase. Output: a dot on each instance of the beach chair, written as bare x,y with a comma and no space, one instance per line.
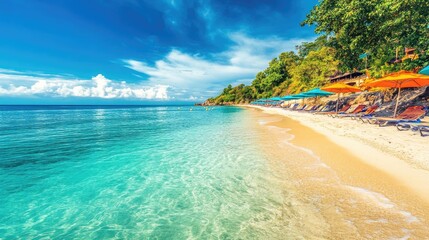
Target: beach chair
351,108
288,106
308,108
422,128
358,109
318,108
301,107
314,108
342,110
405,126
295,105
369,112
305,108
411,114
325,109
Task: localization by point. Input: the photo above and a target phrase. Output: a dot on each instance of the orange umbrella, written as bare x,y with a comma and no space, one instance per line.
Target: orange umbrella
340,88
401,79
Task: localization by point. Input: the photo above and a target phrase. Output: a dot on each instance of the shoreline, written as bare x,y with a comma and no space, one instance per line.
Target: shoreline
357,164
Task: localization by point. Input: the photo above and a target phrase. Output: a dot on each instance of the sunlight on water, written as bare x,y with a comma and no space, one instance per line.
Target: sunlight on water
155,172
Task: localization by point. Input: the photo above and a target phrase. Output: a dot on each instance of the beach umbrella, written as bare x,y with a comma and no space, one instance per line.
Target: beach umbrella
290,97
399,80
317,92
425,71
276,99
340,88
302,95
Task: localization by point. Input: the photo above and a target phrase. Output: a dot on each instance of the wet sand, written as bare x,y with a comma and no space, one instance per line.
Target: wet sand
343,194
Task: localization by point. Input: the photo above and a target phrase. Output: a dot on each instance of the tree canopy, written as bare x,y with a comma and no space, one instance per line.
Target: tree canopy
377,27
382,29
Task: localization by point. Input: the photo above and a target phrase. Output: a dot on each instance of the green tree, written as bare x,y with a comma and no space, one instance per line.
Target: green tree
375,26
314,70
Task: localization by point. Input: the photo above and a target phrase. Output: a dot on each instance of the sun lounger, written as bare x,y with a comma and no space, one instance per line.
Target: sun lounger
422,128
411,114
325,109
306,108
365,114
293,106
319,108
405,126
356,110
309,108
342,110
315,108
301,107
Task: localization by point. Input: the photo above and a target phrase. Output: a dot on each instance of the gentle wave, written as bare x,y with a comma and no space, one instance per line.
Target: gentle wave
165,173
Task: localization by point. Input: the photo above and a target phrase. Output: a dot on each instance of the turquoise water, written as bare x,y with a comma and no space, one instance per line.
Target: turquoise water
133,172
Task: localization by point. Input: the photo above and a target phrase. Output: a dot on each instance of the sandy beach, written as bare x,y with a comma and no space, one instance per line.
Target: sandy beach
368,181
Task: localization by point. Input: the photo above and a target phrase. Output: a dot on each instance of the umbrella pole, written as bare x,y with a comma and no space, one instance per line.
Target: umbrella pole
397,101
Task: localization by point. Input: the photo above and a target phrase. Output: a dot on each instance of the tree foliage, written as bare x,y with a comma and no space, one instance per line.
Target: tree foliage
380,28
286,74
377,27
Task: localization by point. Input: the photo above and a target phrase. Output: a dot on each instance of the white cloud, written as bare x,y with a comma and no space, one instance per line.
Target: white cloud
200,76
13,83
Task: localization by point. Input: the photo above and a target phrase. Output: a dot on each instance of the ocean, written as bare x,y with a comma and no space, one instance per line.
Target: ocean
134,172
180,172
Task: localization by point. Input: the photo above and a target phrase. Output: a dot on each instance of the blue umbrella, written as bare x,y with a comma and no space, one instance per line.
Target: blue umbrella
317,92
302,95
276,99
290,97
425,70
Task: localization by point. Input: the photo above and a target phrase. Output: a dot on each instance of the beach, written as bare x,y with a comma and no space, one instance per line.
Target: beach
370,181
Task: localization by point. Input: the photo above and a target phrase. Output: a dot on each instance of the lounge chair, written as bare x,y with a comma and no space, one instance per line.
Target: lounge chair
309,108
315,108
292,106
306,108
405,126
422,128
342,110
318,108
301,107
411,114
324,109
364,114
358,109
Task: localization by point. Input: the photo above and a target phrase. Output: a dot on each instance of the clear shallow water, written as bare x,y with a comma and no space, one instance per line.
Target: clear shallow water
148,172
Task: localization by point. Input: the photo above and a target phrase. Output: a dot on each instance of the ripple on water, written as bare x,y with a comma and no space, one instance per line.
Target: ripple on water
160,173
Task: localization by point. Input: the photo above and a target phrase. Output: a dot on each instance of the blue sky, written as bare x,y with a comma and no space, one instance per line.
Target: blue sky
140,51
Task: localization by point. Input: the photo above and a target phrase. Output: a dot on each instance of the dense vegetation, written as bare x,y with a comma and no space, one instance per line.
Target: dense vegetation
381,29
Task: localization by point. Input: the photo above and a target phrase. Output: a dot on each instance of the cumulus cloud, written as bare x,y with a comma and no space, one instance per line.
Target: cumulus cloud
13,83
197,74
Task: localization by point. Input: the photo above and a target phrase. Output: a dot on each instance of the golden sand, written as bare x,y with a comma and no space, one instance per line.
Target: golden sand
341,194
